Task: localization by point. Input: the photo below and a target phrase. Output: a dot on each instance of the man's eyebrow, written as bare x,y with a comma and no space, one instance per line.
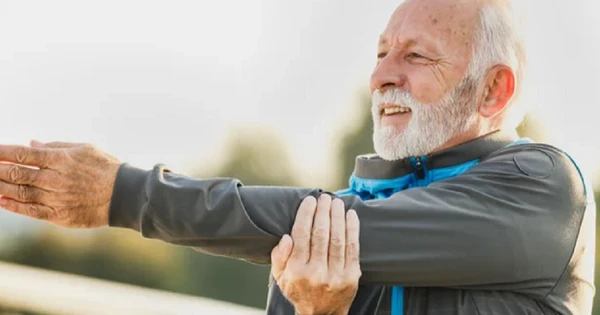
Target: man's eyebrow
411,42
383,41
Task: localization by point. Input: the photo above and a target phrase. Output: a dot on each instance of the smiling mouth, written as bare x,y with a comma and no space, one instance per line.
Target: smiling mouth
394,110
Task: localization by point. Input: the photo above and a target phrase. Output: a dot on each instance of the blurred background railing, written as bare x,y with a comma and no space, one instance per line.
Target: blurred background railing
26,290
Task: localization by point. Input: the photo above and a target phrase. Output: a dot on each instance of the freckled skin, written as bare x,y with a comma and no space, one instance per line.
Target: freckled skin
443,30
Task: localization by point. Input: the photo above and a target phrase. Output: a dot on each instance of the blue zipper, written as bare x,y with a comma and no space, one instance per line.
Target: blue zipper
397,300
421,176
419,165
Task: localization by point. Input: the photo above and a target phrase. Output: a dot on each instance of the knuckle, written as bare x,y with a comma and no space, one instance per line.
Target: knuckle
316,280
321,232
62,216
58,181
58,157
22,154
23,193
15,174
336,241
302,233
353,248
337,284
33,211
297,278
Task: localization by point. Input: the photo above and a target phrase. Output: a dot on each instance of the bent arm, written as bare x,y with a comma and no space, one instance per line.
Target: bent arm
512,219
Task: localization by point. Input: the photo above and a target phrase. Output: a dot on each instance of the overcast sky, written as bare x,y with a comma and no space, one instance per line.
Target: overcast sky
163,81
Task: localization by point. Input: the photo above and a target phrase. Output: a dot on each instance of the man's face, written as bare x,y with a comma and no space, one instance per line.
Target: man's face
422,95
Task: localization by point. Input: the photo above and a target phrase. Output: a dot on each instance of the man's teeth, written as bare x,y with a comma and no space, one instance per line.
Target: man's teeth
394,110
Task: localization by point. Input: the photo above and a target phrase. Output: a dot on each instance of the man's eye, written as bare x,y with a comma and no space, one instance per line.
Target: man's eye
415,56
381,55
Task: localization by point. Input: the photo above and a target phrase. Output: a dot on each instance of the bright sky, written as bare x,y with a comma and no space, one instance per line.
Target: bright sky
163,81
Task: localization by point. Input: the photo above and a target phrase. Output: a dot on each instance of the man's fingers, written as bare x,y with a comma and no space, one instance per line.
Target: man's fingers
36,211
302,229
22,175
319,241
23,193
337,238
27,156
280,255
352,241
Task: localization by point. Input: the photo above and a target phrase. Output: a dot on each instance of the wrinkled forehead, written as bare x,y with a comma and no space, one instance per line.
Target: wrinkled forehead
448,24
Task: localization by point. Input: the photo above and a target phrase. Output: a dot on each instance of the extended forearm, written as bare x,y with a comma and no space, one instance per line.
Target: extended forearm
218,216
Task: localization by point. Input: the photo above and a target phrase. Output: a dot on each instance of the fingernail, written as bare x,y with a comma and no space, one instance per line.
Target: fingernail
338,202
310,199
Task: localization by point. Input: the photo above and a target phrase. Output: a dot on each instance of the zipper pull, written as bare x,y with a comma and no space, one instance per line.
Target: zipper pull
419,168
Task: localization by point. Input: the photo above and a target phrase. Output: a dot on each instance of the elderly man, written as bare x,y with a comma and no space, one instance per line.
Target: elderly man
457,215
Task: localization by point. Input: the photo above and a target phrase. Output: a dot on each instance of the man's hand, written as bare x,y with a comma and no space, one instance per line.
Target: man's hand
317,269
71,184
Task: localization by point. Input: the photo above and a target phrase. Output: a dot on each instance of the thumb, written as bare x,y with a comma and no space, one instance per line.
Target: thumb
280,255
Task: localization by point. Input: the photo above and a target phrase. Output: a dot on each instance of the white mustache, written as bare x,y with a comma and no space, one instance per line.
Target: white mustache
396,96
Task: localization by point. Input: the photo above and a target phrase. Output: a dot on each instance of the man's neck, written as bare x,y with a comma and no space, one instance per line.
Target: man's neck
466,137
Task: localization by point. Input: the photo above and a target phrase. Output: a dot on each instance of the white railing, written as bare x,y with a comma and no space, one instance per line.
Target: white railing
49,292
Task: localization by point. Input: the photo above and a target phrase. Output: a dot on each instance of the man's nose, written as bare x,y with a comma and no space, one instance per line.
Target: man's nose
388,74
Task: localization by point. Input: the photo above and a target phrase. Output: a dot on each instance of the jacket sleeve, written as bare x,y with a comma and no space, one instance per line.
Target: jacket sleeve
511,221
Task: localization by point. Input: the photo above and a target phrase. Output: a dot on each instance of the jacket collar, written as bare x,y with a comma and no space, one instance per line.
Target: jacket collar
374,167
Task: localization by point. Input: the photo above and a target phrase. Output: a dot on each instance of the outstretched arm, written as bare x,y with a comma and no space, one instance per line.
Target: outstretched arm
513,219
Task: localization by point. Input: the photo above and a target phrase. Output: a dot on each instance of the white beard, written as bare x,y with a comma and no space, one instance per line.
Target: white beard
430,126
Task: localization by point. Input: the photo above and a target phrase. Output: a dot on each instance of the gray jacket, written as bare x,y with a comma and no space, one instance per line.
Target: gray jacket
514,234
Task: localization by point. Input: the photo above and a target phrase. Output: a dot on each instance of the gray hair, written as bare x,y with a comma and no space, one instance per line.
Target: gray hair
499,40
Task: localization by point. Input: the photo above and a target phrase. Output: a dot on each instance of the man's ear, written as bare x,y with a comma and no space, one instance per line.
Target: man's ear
498,90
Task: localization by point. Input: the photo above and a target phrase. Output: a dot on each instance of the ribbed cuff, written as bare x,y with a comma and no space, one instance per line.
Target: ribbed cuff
128,197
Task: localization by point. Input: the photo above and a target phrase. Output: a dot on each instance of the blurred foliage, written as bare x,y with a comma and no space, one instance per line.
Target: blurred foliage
256,157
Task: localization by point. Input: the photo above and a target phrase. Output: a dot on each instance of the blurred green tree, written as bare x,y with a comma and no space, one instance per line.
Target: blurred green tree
255,156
